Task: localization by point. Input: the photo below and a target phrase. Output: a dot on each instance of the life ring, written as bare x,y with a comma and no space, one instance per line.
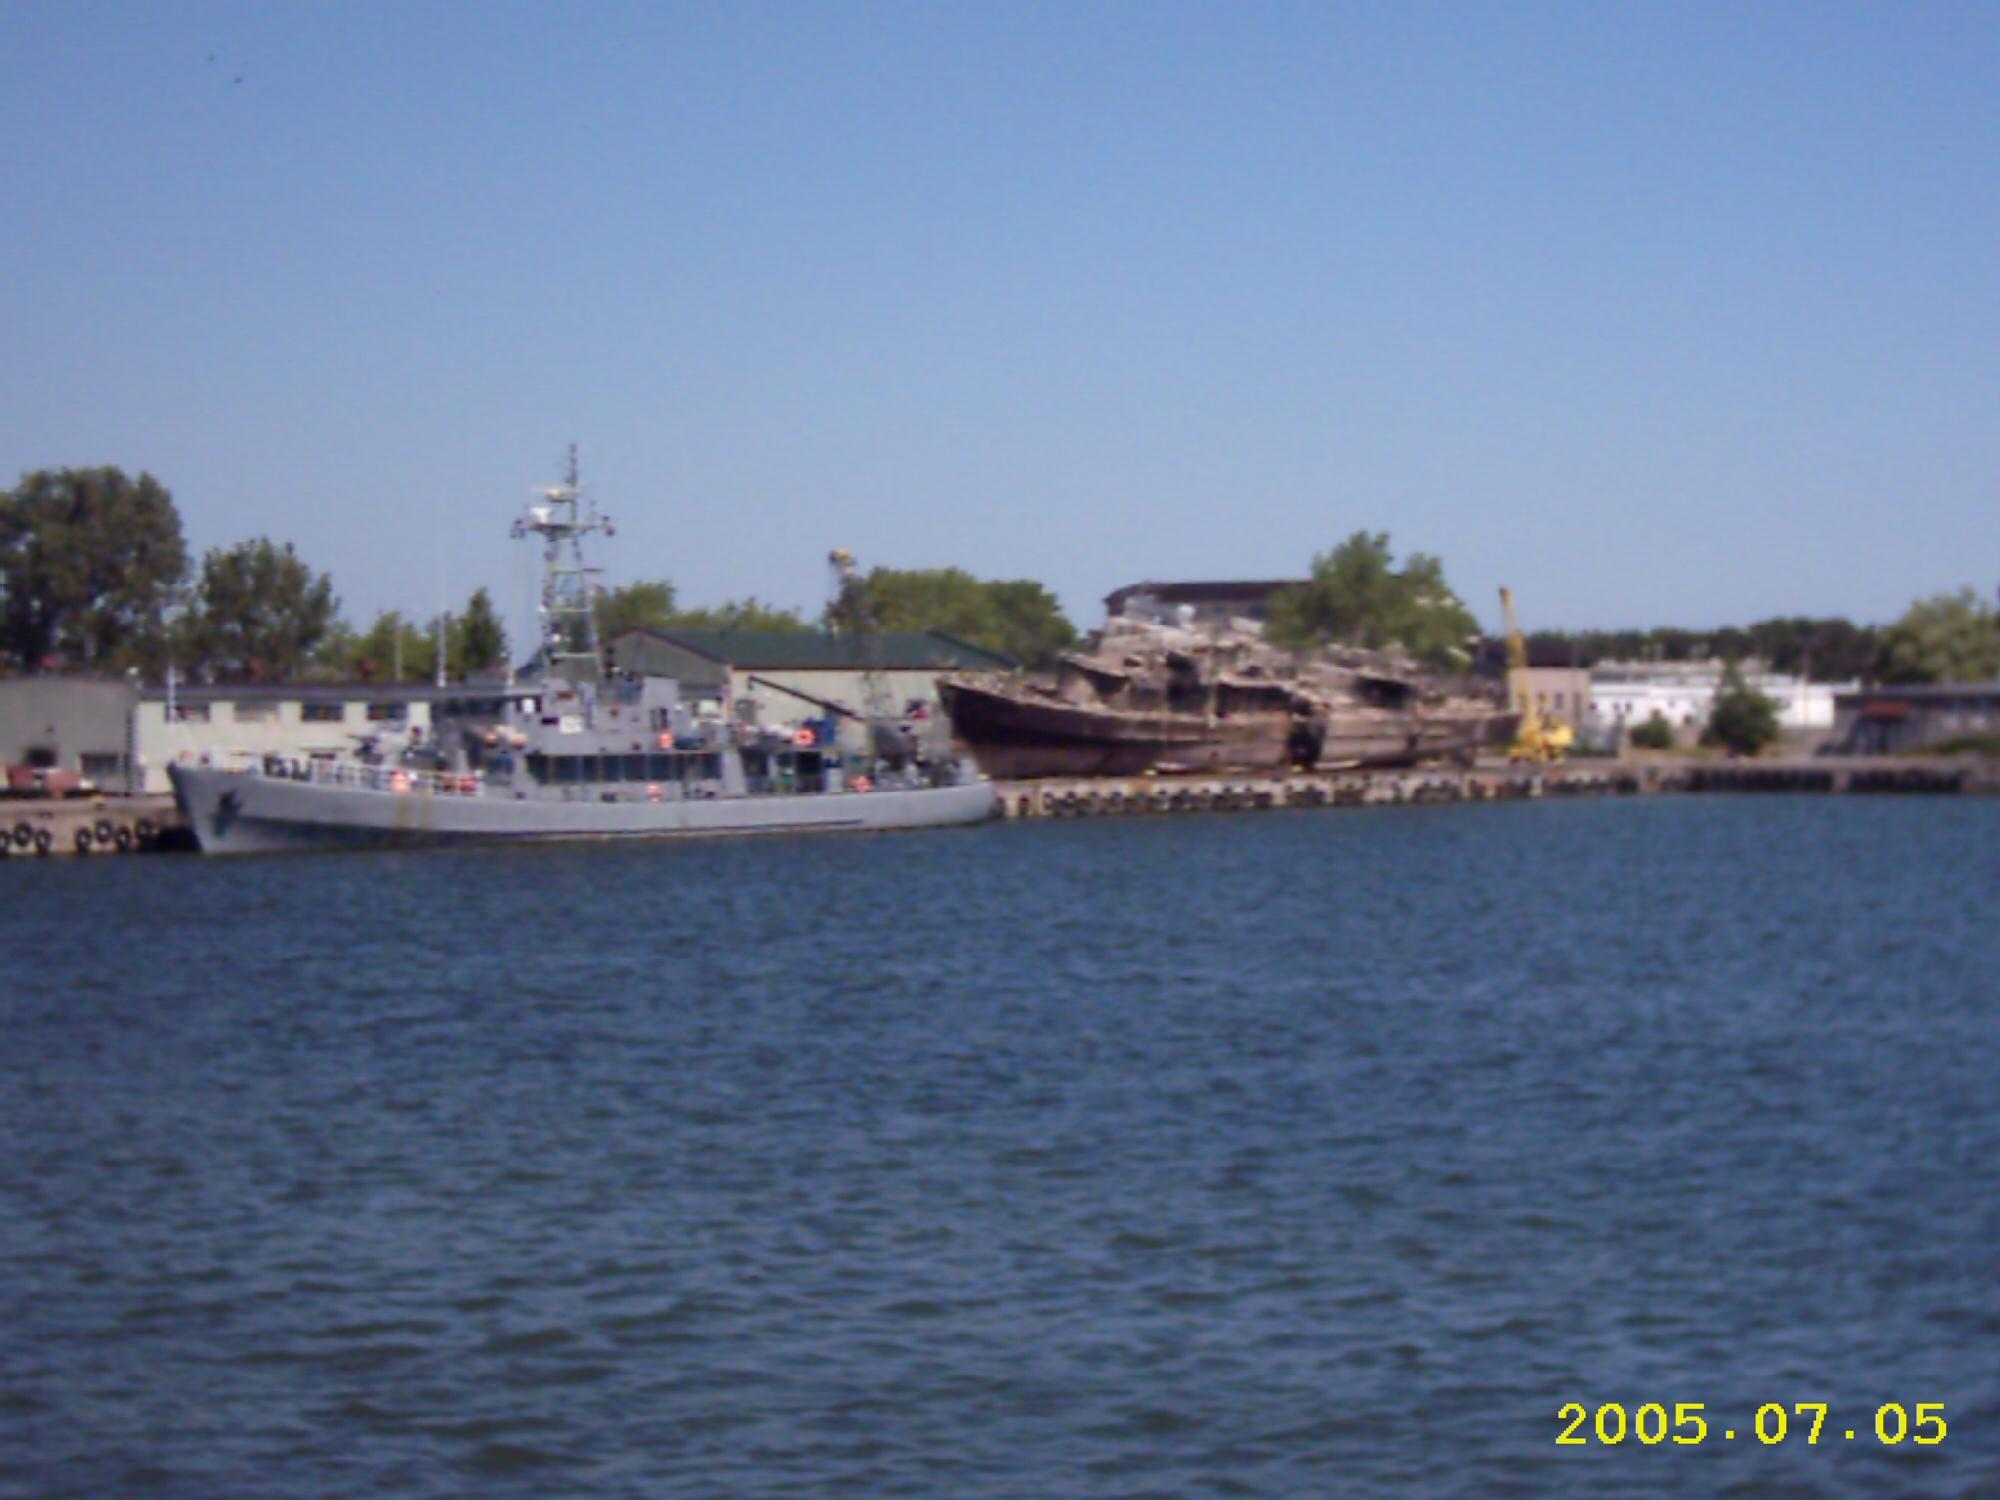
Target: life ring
24,834
858,783
666,739
399,781
805,739
102,832
653,789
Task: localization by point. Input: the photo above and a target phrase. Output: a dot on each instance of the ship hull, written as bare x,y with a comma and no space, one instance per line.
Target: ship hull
1023,739
234,812
1015,737
1388,741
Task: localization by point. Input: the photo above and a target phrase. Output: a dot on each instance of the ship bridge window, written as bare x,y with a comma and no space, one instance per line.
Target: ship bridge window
388,713
323,713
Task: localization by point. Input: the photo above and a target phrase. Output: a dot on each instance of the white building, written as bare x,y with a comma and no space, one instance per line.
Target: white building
122,735
1624,695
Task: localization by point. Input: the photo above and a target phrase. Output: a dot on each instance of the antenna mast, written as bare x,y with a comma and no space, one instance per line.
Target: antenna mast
562,520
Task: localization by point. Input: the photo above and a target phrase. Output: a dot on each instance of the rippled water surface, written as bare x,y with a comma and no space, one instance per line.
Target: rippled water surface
1281,1155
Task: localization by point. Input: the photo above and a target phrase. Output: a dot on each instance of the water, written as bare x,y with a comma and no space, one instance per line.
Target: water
1279,1155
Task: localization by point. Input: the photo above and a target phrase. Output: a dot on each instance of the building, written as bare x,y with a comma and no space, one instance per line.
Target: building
1894,720
122,734
1624,695
777,676
1204,603
1559,692
80,724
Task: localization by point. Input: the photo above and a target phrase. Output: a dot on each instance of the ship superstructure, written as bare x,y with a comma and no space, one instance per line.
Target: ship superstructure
581,753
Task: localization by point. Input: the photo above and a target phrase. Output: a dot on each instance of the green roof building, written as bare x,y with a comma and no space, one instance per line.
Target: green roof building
775,675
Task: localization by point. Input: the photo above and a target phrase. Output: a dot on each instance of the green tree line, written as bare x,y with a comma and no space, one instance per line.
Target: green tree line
1017,618
95,575
1949,637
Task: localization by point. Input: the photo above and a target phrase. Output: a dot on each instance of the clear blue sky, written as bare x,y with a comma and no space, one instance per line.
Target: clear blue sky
1674,313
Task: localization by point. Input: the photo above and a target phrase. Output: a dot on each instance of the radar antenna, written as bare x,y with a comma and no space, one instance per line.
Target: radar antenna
562,519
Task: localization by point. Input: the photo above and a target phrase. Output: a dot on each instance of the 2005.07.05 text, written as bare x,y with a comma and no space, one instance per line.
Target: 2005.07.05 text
1689,1425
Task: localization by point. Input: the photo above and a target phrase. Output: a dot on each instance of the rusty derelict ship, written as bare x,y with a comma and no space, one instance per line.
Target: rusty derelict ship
1152,698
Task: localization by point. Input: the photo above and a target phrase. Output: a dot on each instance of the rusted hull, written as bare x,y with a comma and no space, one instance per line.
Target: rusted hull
1409,741
1021,739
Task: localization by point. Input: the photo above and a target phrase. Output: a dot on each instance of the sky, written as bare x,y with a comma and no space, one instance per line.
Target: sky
1672,313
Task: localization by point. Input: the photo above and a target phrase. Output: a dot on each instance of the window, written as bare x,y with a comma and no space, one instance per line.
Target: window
389,713
103,768
190,713
254,713
323,713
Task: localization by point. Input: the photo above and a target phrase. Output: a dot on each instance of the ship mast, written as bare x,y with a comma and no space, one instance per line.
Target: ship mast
562,519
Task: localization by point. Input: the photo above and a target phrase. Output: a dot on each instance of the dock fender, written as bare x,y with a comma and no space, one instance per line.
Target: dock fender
44,841
82,841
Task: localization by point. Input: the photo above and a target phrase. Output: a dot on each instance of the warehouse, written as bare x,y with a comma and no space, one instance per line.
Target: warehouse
776,676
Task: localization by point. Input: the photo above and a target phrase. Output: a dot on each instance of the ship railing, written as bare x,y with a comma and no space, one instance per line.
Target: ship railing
401,780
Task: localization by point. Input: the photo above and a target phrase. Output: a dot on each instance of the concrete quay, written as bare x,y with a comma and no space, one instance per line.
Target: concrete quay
33,828
1085,797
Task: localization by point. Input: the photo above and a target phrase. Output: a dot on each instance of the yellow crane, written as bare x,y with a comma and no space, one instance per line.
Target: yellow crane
1542,737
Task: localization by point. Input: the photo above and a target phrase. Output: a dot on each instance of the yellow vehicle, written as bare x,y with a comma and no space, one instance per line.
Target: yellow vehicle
1542,738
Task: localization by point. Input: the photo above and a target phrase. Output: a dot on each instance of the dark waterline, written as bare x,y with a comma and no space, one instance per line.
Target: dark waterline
1278,1155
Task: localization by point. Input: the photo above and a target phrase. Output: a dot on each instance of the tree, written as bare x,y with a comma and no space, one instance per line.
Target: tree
651,605
476,643
1654,734
90,562
1357,597
1030,624
741,614
648,603
393,650
259,611
1946,638
1018,618
1742,719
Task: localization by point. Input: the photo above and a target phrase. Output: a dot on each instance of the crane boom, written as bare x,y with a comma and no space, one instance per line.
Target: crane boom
1541,737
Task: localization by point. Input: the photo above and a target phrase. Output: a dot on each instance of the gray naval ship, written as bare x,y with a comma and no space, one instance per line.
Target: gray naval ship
584,754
